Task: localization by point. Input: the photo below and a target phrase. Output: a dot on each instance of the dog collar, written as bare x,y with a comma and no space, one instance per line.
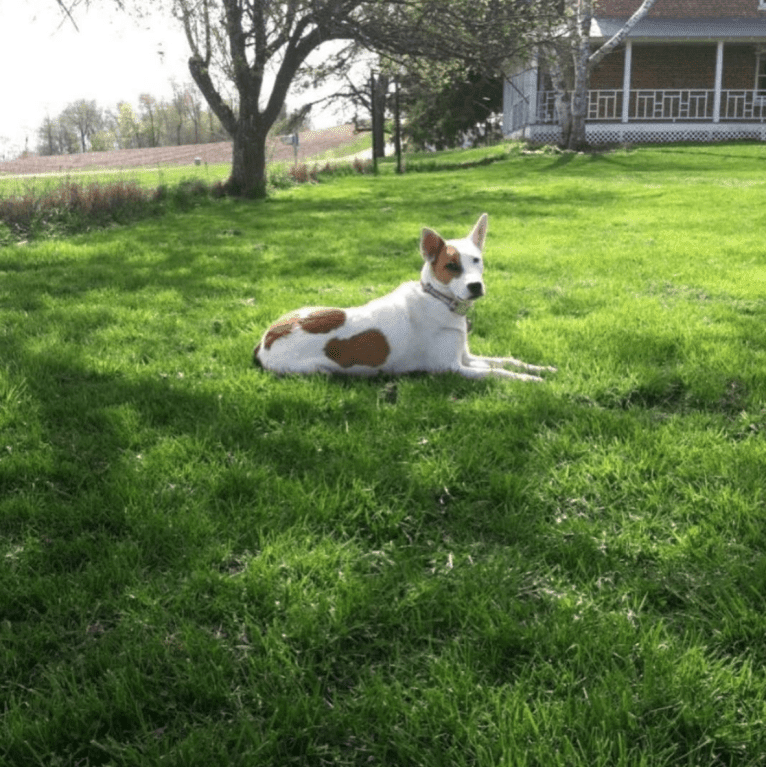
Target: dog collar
456,305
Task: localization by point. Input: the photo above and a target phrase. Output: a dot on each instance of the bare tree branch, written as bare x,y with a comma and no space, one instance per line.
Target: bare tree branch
621,34
68,9
68,12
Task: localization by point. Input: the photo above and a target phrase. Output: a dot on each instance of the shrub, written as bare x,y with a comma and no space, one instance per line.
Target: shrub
71,207
187,193
305,174
302,174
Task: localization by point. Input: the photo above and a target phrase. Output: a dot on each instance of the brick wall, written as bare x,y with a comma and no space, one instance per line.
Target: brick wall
738,67
678,66
609,73
679,9
673,66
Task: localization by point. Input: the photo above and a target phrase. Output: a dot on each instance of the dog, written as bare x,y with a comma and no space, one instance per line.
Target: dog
419,327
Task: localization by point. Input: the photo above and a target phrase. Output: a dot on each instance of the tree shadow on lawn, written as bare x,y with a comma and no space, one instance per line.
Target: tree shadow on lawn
124,440
121,478
462,552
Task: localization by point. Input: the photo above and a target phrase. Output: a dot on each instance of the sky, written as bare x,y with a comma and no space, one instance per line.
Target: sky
47,64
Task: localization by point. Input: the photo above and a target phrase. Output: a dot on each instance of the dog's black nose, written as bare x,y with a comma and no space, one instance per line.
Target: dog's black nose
476,289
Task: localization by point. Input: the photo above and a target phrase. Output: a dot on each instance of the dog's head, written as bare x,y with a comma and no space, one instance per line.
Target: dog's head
455,267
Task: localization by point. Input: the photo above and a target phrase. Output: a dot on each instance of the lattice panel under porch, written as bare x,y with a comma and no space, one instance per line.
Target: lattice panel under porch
653,133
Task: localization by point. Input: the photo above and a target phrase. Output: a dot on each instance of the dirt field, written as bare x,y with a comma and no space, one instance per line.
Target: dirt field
312,143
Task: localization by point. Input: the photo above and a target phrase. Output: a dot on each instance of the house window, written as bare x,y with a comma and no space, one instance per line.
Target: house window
760,73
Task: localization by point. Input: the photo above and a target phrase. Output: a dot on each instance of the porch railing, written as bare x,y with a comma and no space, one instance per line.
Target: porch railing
675,105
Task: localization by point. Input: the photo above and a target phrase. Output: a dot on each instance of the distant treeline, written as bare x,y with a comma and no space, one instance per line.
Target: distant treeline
83,126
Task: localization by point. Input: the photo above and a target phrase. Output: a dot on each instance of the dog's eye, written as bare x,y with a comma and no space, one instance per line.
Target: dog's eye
451,266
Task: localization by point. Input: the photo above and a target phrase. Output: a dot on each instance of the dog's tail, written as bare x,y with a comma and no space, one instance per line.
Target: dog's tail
256,361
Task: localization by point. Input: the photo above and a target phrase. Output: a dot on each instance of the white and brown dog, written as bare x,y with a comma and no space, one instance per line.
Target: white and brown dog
419,327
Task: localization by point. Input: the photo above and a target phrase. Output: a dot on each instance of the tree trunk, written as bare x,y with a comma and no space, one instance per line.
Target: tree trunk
557,65
248,131
577,138
248,165
564,115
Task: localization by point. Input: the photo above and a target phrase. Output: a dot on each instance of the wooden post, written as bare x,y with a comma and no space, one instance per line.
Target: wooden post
398,130
379,91
375,116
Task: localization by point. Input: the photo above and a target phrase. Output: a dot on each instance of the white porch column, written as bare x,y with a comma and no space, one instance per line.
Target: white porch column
532,85
626,80
718,81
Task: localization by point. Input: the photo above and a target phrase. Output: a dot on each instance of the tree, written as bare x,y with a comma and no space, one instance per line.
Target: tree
103,141
46,134
148,105
179,110
570,61
246,40
447,103
128,127
57,136
450,59
84,118
194,109
243,41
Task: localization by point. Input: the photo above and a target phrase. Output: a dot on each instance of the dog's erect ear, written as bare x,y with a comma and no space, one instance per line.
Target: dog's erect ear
431,244
479,232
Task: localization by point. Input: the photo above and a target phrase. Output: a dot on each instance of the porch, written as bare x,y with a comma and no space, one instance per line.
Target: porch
659,115
668,104
671,82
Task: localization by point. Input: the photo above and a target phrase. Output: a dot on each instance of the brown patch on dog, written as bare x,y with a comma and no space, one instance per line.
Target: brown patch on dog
369,348
432,245
282,327
323,320
319,321
447,265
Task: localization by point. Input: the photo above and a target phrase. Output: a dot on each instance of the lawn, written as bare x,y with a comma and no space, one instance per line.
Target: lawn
146,178
202,564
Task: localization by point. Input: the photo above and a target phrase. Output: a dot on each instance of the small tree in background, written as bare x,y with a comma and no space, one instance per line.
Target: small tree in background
149,123
83,118
447,105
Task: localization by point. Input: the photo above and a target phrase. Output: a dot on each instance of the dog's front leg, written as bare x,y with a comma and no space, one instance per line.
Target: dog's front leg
501,362
478,370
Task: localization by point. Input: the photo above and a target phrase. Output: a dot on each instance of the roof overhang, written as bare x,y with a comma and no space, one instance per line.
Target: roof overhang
684,30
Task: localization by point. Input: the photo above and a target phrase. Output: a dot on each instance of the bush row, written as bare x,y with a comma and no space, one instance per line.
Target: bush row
72,207
305,174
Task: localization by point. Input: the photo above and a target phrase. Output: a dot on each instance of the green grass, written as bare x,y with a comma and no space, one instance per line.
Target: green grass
147,178
202,564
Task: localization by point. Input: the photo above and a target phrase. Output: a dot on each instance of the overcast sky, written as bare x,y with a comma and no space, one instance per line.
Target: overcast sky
47,64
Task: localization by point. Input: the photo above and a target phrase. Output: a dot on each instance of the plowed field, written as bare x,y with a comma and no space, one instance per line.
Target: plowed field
312,143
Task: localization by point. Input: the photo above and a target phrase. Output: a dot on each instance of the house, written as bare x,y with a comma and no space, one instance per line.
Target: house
691,70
